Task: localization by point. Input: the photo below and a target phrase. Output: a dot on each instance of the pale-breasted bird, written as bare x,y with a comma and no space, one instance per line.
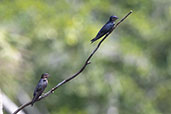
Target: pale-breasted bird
42,84
106,28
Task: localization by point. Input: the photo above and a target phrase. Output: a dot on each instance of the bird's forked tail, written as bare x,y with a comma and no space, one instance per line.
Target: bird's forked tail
93,40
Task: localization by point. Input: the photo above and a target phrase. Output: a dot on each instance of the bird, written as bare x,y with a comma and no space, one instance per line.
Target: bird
106,28
42,84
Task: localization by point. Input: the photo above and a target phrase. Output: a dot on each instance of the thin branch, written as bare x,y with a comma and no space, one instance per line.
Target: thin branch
76,74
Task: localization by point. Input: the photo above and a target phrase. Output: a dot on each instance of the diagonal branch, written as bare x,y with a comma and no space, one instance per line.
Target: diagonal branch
76,74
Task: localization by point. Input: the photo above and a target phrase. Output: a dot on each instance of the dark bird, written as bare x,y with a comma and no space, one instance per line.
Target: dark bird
106,28
42,84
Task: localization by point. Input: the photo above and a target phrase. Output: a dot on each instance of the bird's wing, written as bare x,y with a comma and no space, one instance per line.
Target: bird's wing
37,92
38,88
105,29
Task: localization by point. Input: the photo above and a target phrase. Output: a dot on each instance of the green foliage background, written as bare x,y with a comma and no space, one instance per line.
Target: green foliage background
129,74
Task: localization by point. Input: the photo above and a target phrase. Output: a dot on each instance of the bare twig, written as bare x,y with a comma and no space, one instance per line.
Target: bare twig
76,74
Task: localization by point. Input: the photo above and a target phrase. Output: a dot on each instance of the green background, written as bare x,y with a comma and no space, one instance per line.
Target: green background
129,74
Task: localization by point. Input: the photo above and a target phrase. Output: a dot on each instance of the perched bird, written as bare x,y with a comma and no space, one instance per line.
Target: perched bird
106,28
42,84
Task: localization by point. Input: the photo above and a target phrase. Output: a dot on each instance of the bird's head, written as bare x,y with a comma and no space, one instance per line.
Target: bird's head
45,75
113,18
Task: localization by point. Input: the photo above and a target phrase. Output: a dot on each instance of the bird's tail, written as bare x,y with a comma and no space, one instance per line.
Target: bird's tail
32,102
94,39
